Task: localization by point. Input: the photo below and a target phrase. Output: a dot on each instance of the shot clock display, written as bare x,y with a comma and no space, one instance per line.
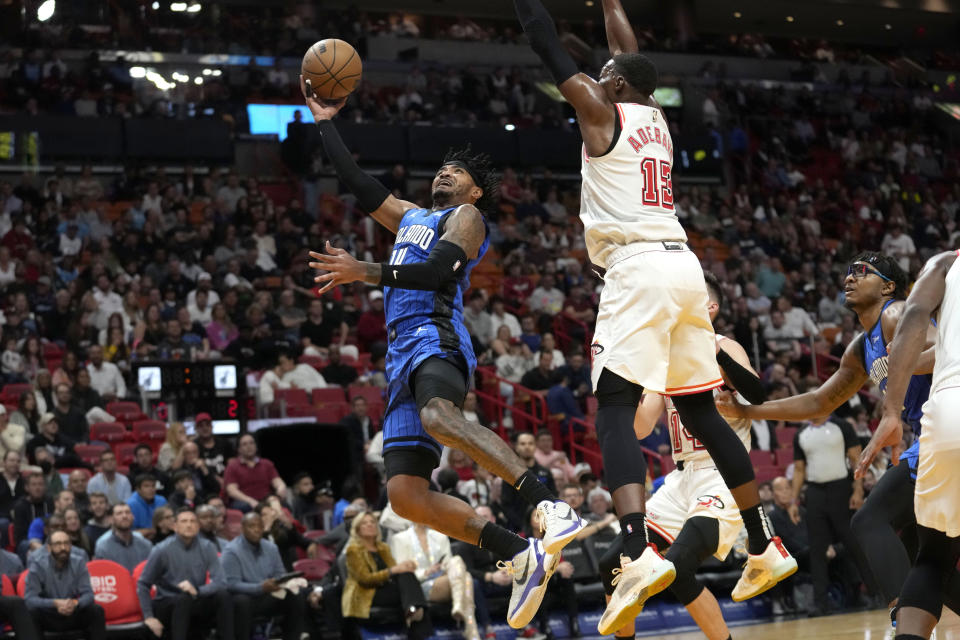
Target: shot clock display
180,390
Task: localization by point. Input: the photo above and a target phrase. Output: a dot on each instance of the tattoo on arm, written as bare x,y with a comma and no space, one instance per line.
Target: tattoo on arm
466,229
371,273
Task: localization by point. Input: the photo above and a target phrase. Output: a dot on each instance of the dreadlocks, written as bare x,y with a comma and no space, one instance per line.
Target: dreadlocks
481,170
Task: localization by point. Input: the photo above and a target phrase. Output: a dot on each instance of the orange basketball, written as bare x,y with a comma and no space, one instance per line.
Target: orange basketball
333,68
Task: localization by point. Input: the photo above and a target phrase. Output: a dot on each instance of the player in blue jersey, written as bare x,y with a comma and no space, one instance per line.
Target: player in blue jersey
430,358
875,289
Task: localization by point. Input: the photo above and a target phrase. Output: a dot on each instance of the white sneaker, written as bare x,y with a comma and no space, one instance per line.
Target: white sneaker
559,523
531,570
762,572
635,582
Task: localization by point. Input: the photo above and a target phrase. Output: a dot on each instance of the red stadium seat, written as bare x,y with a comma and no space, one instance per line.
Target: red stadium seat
125,452
759,457
90,453
766,473
372,394
784,455
22,584
52,350
109,432
115,591
324,396
124,407
149,431
291,397
137,572
785,435
8,587
13,390
313,568
317,362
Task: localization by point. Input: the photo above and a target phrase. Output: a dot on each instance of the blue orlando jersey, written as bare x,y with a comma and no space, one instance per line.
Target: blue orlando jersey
421,325
875,364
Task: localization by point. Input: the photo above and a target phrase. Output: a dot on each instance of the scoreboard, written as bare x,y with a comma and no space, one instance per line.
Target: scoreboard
179,390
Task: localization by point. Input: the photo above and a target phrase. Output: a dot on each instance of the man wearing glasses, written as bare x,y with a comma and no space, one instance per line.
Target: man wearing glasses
875,287
58,591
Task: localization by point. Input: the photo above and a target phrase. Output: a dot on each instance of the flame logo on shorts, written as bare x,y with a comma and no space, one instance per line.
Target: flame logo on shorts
596,349
710,501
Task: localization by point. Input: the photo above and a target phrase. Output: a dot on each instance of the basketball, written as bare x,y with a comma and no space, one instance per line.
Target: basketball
333,68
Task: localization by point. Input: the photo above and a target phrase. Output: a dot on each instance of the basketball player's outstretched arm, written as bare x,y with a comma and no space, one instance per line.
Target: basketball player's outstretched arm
908,343
595,113
374,198
838,388
463,235
620,35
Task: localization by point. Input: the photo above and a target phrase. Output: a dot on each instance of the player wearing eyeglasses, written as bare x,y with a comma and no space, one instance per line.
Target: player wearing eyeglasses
875,287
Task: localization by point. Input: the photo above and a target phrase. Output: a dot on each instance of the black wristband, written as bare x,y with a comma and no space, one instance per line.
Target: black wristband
369,191
446,262
744,381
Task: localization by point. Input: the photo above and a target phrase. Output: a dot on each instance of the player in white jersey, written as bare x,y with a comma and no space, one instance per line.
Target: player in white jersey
937,495
693,512
652,329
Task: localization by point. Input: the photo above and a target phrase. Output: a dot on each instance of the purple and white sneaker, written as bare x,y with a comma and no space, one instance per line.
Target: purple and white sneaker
531,570
560,525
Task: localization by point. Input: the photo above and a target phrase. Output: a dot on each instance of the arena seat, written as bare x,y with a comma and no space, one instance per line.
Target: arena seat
152,432
125,452
329,394
291,397
90,453
116,592
372,394
759,457
313,568
11,392
111,432
8,588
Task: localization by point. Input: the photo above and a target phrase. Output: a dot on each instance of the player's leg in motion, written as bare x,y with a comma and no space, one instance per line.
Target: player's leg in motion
644,572
697,541
768,562
888,509
921,600
440,387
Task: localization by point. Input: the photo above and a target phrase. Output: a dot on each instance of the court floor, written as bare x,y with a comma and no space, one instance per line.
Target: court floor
868,625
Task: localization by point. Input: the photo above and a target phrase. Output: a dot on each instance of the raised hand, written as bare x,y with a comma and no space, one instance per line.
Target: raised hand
321,109
340,267
889,433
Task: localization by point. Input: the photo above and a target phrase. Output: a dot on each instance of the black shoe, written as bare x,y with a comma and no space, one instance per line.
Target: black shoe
574,627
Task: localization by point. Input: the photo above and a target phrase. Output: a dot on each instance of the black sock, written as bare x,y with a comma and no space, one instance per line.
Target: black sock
532,490
501,542
908,636
632,636
758,529
633,527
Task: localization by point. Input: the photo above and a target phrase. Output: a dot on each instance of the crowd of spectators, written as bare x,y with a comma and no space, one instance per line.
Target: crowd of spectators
98,273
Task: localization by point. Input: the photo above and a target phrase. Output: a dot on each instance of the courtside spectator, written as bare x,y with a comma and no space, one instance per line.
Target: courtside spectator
250,478
13,486
35,504
207,519
186,601
143,464
121,543
514,506
58,591
205,481
70,417
109,481
336,372
77,485
252,565
214,451
170,456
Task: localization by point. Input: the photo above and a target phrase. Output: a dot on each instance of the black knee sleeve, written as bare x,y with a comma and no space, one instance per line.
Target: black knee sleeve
697,541
699,415
935,564
617,401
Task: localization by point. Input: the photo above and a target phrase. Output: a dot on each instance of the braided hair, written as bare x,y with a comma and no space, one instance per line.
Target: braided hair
480,168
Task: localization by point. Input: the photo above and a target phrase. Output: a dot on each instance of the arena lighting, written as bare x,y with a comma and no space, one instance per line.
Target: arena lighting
509,126
155,5
839,23
589,3
138,72
178,6
789,18
159,81
198,80
45,10
737,14
194,8
888,27
180,77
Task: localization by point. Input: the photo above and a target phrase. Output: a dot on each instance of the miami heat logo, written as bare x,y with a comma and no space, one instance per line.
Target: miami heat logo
710,501
596,349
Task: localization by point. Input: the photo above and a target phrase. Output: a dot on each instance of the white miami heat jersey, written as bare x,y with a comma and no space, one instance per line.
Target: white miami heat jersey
627,194
685,446
946,369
